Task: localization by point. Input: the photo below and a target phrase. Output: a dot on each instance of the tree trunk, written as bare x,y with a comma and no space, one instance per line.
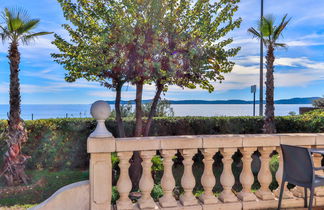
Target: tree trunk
138,109
14,161
159,89
136,168
119,120
269,122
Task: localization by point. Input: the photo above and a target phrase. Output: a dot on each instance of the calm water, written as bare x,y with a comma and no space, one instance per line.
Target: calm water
83,110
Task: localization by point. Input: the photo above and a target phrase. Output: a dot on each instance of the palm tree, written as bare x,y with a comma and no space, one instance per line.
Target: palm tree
270,34
17,28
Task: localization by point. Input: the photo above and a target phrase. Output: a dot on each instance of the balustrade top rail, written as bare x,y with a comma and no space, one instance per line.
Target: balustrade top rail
203,142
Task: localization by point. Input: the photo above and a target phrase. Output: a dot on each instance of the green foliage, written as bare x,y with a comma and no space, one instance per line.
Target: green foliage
319,103
157,192
18,26
269,32
61,143
53,181
163,110
126,111
166,41
318,113
161,42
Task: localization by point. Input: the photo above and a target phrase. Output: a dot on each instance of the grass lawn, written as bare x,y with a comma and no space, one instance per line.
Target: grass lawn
51,182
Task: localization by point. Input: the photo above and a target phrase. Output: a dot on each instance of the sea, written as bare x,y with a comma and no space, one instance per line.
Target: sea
45,111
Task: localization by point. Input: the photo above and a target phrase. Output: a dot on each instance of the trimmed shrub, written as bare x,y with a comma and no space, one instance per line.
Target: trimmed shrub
61,143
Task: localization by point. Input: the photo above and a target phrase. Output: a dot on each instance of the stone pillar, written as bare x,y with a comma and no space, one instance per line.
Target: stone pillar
286,194
188,179
208,179
227,178
100,145
246,177
146,183
264,176
168,182
124,184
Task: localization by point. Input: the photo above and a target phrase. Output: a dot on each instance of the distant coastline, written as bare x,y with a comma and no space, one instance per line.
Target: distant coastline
306,100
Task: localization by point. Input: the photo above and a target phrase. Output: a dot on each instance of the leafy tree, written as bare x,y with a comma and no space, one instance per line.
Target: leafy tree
270,33
17,28
163,109
95,50
159,42
126,110
319,103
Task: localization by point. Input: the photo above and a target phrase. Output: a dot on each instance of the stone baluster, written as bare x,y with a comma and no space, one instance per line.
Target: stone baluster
246,177
208,179
124,184
167,182
227,178
146,183
286,194
264,175
188,180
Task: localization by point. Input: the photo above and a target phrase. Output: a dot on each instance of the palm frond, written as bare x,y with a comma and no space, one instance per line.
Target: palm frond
29,25
281,27
34,35
19,25
8,17
254,32
26,39
267,26
4,34
257,35
19,13
280,45
2,37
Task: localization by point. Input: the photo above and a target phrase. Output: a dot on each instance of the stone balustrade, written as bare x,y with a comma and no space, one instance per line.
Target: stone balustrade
101,145
188,146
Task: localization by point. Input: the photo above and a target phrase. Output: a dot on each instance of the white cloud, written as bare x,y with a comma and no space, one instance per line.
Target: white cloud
39,49
51,87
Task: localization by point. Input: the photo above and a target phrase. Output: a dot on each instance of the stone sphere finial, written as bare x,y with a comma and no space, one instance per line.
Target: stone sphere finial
100,110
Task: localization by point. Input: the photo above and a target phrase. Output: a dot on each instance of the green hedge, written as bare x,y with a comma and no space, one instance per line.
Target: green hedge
61,143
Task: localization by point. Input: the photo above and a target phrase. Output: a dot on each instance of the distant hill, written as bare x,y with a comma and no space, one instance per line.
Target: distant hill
307,100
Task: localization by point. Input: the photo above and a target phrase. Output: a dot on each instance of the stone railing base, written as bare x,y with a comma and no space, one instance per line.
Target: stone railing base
75,196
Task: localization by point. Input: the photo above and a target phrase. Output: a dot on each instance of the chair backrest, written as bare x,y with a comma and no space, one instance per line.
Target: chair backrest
298,164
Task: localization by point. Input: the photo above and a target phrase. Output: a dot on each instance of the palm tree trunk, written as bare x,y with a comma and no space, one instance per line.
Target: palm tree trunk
120,125
269,123
14,113
159,89
16,128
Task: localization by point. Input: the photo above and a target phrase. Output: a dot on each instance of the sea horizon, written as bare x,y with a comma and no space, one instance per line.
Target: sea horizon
47,111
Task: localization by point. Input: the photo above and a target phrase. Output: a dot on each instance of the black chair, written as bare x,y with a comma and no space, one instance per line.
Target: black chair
299,170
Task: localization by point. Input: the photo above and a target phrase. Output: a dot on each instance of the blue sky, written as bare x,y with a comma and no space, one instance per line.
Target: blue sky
299,69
